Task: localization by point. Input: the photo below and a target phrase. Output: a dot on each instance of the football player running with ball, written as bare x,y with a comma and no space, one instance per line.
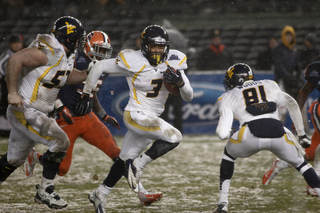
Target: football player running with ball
145,73
312,153
254,104
88,126
34,78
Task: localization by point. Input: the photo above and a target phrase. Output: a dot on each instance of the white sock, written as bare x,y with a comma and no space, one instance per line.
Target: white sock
142,161
317,190
142,189
282,165
224,192
104,189
46,182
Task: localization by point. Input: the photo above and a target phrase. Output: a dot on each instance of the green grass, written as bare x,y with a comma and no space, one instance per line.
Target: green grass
188,177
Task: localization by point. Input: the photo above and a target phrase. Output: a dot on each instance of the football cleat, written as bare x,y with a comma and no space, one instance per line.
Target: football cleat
271,173
98,200
49,197
133,175
32,159
222,208
311,191
146,198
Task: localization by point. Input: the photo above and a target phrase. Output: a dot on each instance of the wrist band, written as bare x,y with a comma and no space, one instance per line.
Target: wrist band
102,113
58,103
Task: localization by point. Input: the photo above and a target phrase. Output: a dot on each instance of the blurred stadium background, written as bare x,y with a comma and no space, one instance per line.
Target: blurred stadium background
244,24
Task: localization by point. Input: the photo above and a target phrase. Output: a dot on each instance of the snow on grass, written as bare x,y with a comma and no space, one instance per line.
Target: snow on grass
188,177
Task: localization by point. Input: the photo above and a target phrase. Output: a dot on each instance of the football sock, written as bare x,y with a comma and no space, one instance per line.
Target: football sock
309,174
46,182
51,164
142,189
226,173
5,168
117,170
283,165
142,161
159,148
104,189
224,191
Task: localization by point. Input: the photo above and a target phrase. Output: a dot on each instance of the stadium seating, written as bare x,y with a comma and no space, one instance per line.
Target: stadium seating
245,39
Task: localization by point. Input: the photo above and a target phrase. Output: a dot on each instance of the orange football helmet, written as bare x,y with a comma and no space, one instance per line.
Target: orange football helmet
98,46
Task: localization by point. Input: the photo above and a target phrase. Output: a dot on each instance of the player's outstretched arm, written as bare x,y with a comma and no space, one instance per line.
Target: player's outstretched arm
77,76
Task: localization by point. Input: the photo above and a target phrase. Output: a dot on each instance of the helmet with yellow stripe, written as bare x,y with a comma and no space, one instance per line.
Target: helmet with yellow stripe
236,75
70,32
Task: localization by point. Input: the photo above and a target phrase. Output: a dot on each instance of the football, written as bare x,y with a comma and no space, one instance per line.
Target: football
173,89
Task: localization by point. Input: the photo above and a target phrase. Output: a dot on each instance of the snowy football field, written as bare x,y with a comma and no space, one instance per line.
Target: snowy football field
188,177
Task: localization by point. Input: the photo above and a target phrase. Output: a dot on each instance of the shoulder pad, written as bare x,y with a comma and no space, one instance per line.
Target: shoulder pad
177,59
46,43
131,59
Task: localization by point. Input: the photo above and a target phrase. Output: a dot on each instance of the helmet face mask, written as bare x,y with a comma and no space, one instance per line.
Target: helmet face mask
98,46
237,75
70,32
153,36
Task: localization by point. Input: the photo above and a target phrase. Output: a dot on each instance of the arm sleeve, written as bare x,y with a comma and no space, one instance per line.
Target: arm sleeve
186,91
225,121
96,68
294,111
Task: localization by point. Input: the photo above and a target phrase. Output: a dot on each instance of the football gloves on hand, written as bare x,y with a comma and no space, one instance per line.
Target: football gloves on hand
64,115
173,78
82,107
111,120
304,141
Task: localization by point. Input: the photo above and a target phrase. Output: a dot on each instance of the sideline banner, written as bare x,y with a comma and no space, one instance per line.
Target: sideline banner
200,116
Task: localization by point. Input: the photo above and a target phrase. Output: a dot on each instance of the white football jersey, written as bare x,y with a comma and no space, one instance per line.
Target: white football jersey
233,103
147,91
39,87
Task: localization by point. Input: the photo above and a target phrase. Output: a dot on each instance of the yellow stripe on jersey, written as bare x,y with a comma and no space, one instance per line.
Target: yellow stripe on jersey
124,60
183,60
128,118
20,116
36,86
287,140
132,81
239,139
46,43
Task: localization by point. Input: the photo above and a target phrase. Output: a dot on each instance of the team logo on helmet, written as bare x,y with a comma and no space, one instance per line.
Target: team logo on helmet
70,28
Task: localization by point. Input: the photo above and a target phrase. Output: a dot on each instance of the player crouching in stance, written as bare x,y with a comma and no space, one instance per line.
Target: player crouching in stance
312,153
144,70
34,78
254,104
89,127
